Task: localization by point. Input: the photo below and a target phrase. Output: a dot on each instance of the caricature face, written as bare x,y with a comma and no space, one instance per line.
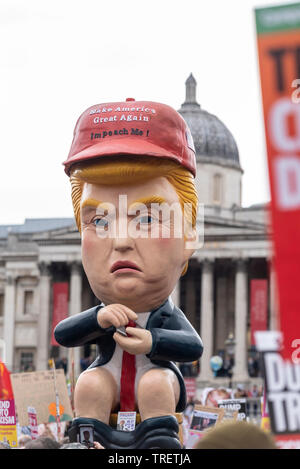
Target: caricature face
158,260
215,395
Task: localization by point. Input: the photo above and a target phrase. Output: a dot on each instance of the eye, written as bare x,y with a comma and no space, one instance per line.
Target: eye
100,223
146,220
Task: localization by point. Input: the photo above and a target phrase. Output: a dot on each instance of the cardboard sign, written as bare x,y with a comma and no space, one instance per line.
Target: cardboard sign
37,390
278,38
205,417
202,419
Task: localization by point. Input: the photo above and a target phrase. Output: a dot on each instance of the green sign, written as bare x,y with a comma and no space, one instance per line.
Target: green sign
278,18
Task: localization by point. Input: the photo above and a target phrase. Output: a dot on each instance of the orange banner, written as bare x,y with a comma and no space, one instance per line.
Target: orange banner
278,33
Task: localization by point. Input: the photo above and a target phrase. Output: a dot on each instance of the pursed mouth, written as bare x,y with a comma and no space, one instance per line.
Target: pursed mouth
124,265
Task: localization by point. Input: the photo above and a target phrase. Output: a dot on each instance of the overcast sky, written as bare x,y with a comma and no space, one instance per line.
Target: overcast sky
61,56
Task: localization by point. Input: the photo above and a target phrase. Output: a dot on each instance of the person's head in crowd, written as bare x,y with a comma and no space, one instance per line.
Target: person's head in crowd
4,445
74,445
65,440
236,435
96,445
23,440
43,442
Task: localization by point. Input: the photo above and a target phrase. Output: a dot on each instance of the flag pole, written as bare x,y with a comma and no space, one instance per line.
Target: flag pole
72,378
56,400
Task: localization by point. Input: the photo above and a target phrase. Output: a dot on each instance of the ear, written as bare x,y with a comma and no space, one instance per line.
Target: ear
191,243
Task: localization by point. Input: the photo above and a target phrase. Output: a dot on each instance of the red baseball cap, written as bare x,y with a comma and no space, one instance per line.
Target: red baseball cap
132,128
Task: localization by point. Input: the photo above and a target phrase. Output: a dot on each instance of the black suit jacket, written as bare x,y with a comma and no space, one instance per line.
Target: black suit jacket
173,339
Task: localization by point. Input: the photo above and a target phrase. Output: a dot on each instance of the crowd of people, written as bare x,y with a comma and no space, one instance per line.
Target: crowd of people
229,435
209,397
47,440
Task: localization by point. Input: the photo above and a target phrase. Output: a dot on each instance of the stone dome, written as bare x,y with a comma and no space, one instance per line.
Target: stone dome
212,140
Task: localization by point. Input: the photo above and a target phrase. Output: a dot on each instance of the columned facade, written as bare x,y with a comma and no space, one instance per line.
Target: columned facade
43,348
241,309
207,318
225,304
9,319
75,308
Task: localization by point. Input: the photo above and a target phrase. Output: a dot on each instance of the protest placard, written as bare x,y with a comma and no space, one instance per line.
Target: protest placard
8,428
278,42
282,383
32,421
204,417
36,389
236,407
126,421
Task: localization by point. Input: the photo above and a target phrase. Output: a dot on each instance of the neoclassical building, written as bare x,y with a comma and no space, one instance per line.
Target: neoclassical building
215,294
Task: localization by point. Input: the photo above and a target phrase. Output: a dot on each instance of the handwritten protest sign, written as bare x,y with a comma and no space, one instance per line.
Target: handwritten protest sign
36,389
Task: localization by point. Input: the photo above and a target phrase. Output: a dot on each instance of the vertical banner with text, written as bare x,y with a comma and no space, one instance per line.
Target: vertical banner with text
258,306
278,38
60,305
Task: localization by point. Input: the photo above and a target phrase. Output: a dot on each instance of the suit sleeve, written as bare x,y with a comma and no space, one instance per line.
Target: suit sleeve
80,329
176,341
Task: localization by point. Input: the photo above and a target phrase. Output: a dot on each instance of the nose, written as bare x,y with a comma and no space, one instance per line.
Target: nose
123,244
123,241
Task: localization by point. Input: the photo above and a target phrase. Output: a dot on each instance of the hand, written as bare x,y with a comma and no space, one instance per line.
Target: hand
96,446
115,315
139,342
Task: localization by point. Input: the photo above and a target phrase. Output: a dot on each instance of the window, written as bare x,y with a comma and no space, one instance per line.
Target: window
26,361
1,305
28,302
217,189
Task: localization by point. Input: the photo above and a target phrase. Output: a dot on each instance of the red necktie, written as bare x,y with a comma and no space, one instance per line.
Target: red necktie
127,397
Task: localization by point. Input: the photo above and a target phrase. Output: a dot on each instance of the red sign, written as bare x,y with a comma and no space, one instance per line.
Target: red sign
278,31
60,305
191,387
258,306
